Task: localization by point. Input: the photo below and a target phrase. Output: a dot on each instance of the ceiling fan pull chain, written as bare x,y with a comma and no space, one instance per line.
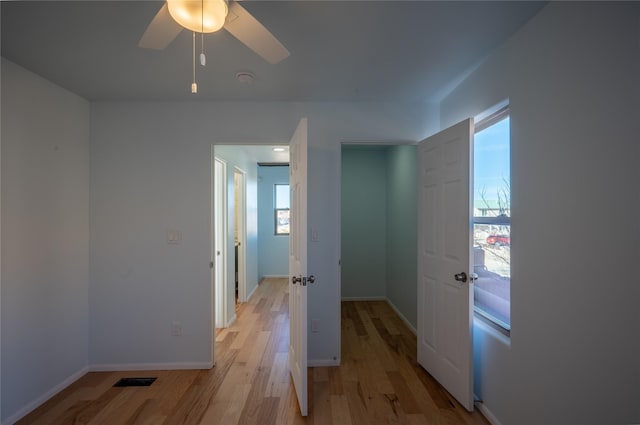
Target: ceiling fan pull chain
194,85
203,58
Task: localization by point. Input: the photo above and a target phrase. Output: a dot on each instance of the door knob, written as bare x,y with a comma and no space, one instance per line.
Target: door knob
460,277
311,279
295,279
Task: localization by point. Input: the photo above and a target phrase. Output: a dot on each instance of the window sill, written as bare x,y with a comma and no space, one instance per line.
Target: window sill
491,322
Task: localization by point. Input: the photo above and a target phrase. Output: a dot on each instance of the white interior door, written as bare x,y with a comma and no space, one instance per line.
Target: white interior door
298,264
445,300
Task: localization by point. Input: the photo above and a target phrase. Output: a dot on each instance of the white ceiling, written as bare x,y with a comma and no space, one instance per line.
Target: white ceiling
340,50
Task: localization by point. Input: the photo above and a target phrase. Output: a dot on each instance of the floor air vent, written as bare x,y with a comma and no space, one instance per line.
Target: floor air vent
135,382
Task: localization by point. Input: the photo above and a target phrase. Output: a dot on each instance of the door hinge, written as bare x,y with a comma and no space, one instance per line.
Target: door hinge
210,264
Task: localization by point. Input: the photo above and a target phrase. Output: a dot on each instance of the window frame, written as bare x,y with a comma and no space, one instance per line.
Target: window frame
277,210
500,220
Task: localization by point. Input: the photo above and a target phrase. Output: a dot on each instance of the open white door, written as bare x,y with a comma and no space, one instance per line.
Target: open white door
298,264
445,303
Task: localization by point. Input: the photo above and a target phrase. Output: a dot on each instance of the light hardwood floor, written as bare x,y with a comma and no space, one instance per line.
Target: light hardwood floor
378,382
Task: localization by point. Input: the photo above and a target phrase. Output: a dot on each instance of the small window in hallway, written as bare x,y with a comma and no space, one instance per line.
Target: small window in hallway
492,219
281,202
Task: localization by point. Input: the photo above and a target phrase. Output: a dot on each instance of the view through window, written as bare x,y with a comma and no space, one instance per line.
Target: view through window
281,194
492,219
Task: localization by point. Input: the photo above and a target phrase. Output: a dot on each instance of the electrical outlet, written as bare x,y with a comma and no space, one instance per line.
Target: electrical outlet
176,329
315,325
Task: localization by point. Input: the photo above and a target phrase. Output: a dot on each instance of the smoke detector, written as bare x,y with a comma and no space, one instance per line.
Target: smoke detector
245,77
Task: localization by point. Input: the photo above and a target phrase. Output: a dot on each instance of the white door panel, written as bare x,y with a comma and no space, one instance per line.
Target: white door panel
298,264
444,250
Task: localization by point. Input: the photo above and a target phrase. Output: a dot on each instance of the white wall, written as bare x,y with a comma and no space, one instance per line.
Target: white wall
149,175
572,76
150,170
45,238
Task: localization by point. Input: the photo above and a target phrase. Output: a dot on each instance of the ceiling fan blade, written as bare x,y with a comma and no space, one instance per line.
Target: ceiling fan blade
161,31
243,26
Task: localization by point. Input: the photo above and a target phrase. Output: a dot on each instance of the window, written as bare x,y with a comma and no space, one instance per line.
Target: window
281,202
492,219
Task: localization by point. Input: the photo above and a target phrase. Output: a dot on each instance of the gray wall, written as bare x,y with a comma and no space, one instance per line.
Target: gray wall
364,221
402,229
147,178
273,250
572,78
150,170
45,238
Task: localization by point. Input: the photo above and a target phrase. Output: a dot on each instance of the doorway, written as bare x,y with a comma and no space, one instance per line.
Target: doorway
234,221
241,183
379,225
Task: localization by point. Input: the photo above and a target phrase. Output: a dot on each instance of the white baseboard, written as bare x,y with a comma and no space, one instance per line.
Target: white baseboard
125,367
231,321
404,319
487,413
30,407
363,298
251,293
323,362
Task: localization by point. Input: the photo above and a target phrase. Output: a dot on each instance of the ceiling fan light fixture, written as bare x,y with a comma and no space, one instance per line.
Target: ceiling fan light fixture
203,16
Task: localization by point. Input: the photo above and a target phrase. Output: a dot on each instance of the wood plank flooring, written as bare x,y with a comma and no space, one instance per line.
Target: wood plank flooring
378,382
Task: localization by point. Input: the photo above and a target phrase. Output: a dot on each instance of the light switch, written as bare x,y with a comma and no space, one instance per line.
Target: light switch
174,236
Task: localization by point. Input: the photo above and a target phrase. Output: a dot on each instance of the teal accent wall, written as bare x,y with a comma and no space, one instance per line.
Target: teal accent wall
379,225
273,251
402,229
364,218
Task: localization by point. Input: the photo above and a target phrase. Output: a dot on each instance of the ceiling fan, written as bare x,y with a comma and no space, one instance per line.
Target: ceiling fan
207,16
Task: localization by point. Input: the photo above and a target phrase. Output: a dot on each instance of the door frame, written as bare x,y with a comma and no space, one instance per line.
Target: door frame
241,226
220,207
